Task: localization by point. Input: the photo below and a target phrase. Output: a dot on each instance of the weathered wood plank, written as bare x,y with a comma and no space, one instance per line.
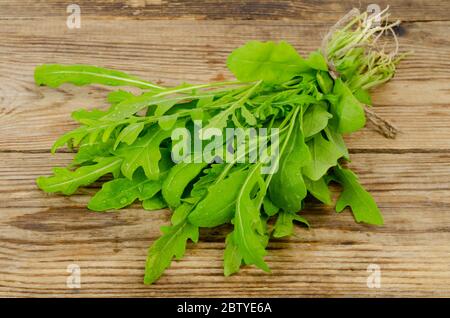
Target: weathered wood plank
173,41
416,100
411,10
42,234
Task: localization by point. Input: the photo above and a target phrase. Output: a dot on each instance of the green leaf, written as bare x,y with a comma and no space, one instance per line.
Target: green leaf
248,116
269,207
349,112
118,193
274,63
219,204
116,97
219,121
154,203
287,188
67,181
163,107
181,212
54,75
248,227
167,122
134,104
72,138
129,134
361,202
84,116
325,82
317,61
88,133
315,119
319,189
89,152
177,180
324,154
337,139
285,226
363,96
232,258
144,152
171,244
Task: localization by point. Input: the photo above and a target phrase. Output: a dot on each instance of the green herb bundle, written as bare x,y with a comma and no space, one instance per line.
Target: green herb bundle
311,102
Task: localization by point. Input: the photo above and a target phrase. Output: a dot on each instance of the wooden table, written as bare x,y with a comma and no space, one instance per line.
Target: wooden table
171,42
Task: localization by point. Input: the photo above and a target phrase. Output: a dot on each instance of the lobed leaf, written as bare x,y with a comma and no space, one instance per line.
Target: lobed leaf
67,181
177,180
144,152
54,75
232,257
361,202
121,192
248,227
219,204
284,225
287,188
154,203
171,244
324,155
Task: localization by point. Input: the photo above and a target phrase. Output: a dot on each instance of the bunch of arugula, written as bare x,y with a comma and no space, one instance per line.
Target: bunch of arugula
312,102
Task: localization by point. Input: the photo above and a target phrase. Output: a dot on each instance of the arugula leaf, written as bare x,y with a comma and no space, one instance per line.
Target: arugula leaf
269,207
232,258
337,139
248,228
154,203
219,121
348,110
315,119
274,63
319,189
316,61
181,212
219,204
67,181
284,225
361,202
116,97
287,188
87,117
144,152
177,180
134,104
129,134
249,117
54,75
121,192
167,122
325,82
363,96
89,152
90,133
171,244
324,154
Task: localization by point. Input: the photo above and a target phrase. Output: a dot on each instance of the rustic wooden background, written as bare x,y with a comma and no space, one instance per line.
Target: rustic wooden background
171,41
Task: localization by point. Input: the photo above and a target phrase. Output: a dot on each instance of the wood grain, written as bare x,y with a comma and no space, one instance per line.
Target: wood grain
196,52
42,234
174,41
325,10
